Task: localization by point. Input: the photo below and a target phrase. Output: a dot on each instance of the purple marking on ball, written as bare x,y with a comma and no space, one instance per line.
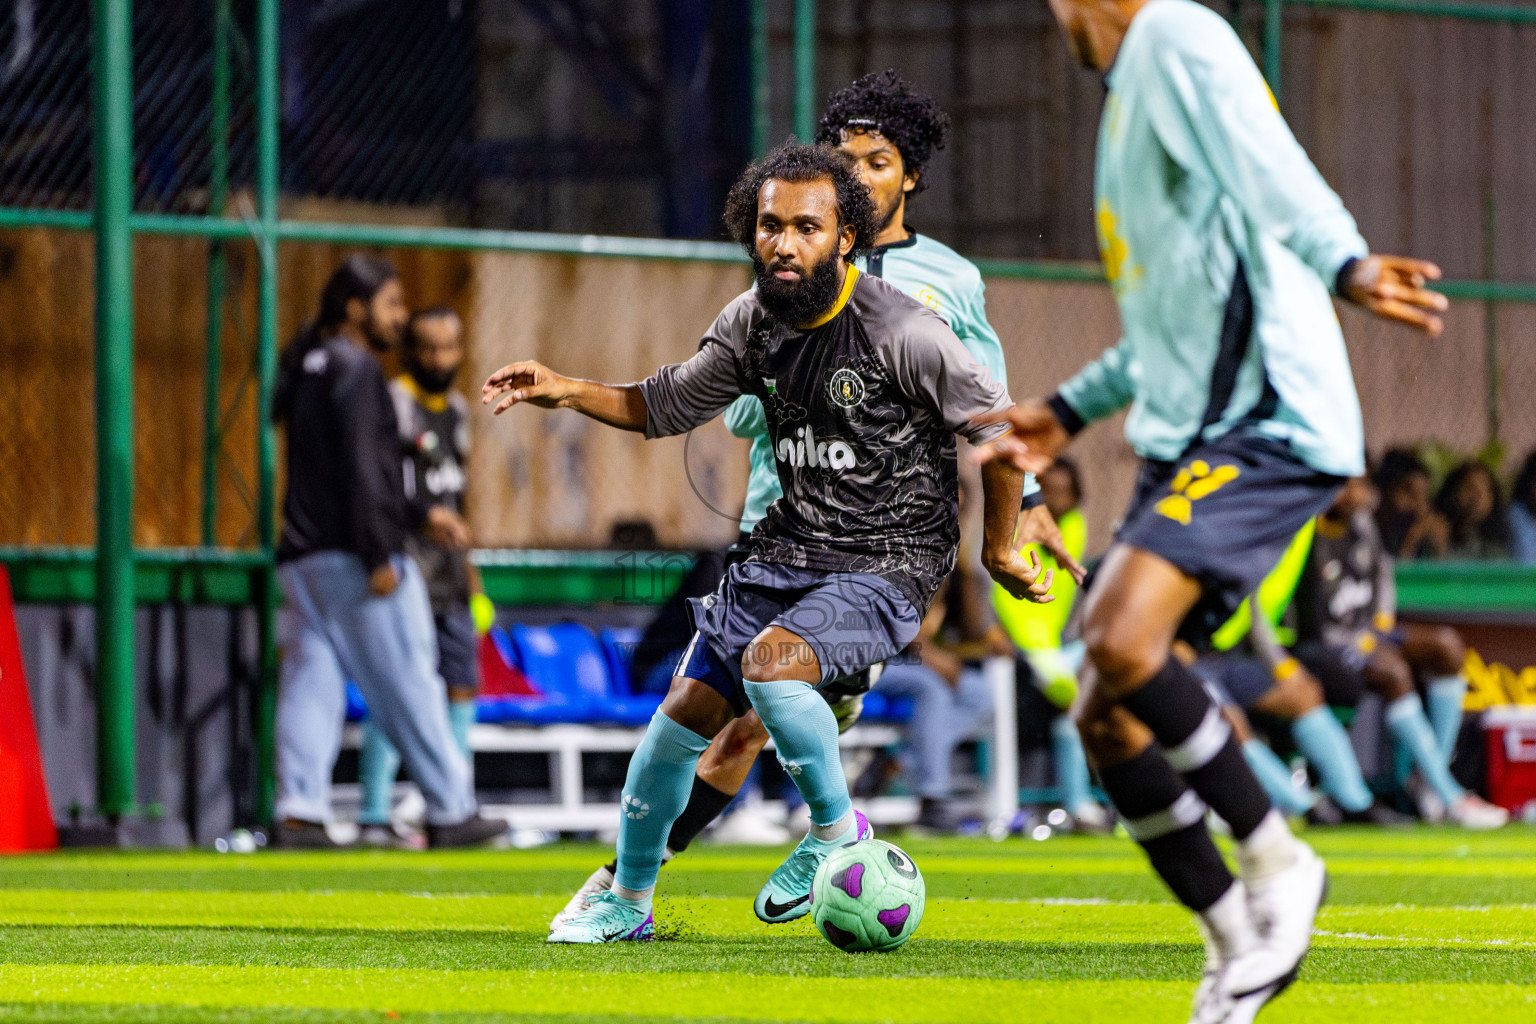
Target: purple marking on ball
894,919
850,880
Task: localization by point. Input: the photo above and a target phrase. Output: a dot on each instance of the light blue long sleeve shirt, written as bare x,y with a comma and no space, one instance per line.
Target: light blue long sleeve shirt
1196,171
935,275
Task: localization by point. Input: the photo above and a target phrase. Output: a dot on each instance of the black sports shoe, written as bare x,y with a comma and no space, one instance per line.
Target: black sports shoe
294,834
472,831
1379,814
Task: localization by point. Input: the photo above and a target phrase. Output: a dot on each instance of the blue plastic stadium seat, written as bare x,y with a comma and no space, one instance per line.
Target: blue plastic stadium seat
571,668
619,645
357,708
880,708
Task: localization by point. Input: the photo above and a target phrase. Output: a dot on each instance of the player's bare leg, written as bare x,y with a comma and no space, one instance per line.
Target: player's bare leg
1257,930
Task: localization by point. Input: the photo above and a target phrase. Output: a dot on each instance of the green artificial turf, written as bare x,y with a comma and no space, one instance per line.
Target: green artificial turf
1425,925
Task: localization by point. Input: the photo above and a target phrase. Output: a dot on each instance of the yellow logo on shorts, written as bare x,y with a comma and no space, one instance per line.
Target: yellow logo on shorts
1194,482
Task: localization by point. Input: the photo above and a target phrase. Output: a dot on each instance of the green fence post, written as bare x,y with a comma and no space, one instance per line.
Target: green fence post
762,93
266,366
112,70
805,69
1273,26
218,191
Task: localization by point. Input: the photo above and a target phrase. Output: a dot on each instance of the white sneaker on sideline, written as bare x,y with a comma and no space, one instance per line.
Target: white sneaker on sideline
1474,813
1426,801
748,827
600,880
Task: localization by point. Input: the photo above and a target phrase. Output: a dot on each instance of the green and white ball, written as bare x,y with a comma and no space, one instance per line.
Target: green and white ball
867,896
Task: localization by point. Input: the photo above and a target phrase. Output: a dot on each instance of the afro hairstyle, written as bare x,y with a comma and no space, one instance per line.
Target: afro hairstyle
885,102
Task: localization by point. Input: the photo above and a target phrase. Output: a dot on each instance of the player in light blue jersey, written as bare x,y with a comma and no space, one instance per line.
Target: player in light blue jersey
1225,248
890,131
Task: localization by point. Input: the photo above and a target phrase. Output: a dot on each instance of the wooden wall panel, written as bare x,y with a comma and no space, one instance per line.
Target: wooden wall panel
551,478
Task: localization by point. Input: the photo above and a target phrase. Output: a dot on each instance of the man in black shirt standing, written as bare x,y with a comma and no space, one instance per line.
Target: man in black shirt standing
434,440
356,605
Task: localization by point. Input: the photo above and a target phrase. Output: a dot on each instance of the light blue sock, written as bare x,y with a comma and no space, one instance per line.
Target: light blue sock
1326,745
1071,765
1275,777
1411,731
805,733
655,793
377,765
1446,695
461,715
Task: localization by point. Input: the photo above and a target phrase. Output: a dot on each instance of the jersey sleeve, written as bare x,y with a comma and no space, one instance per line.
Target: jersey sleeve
685,395
1102,388
933,368
1213,112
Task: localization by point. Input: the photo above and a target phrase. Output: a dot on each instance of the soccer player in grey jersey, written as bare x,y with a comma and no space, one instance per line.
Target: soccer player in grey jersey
864,390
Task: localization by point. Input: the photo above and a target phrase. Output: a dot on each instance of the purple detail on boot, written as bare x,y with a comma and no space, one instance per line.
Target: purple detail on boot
850,880
894,920
645,930
861,827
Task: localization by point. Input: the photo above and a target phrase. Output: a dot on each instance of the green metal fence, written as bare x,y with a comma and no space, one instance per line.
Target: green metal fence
243,81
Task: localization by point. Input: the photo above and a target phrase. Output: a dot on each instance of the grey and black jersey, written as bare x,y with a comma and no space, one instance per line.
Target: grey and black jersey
863,407
1348,586
434,442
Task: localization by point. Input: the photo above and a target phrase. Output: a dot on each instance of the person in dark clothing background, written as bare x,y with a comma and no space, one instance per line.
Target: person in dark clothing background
434,439
356,605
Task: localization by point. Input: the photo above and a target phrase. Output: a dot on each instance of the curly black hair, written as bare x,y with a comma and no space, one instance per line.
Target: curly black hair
797,162
885,102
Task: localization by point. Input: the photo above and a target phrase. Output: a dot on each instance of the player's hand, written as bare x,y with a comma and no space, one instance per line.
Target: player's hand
1024,578
446,528
1393,287
1038,526
383,580
1037,438
529,382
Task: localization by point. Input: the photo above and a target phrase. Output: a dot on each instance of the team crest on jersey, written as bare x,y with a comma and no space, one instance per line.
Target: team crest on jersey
846,388
927,297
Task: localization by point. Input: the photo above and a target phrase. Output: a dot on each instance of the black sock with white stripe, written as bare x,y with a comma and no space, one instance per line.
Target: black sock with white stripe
1198,743
1168,821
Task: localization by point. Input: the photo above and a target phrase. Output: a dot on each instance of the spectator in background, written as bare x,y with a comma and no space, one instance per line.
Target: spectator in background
1522,513
1050,662
356,603
952,701
1406,518
434,439
1471,503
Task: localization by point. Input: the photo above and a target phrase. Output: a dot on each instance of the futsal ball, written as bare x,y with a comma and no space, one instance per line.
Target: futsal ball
867,896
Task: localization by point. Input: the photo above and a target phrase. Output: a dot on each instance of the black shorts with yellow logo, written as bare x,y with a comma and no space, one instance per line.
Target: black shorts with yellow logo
1224,514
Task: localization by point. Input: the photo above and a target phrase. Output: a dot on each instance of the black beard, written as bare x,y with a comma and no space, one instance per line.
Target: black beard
803,301
433,382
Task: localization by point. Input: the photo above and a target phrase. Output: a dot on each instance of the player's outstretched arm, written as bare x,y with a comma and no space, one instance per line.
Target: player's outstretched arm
1395,288
620,406
1001,487
1037,438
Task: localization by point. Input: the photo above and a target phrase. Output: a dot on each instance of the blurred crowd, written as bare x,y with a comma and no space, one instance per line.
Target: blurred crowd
1471,515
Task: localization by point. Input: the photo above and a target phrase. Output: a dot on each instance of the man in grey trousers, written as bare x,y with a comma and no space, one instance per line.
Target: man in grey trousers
356,603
